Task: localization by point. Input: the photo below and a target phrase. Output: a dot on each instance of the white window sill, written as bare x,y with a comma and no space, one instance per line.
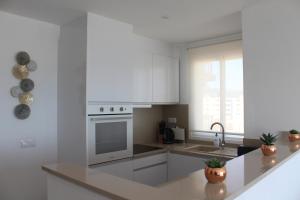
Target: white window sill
209,136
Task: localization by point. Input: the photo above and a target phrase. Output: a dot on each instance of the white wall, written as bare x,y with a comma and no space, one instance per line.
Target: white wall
271,66
20,173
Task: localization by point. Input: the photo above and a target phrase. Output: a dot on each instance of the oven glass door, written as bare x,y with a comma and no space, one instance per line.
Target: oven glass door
110,138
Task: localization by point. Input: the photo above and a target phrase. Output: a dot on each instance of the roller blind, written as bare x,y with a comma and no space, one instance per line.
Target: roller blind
217,87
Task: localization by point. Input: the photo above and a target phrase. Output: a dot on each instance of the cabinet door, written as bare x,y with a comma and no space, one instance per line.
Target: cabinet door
123,169
109,60
142,78
182,165
160,78
152,175
165,79
173,80
151,170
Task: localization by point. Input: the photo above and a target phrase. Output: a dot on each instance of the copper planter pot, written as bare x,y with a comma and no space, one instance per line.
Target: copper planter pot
294,137
215,175
268,150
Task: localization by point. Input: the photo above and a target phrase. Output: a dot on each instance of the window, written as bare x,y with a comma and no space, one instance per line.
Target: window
216,88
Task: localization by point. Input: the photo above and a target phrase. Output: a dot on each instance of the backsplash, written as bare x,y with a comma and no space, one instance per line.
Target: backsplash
181,113
146,120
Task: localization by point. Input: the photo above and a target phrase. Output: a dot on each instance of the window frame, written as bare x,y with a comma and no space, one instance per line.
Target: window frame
230,137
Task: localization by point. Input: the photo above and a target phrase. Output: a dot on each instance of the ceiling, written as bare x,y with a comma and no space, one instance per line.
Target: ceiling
169,20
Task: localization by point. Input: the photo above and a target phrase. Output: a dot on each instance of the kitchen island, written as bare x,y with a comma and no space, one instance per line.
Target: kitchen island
252,176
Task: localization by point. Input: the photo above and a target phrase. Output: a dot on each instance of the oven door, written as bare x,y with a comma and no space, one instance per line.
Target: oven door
110,138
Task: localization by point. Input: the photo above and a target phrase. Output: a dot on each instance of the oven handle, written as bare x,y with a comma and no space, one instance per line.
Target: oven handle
110,117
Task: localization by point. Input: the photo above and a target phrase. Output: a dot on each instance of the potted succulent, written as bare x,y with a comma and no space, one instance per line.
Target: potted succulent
268,148
294,135
215,171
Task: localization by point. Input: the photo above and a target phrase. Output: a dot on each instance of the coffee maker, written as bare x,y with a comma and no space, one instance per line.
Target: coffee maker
166,132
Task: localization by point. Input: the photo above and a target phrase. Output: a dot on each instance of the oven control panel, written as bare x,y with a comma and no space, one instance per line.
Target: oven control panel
109,109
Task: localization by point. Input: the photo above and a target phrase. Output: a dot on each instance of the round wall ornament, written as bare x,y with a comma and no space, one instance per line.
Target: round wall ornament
26,98
22,111
27,85
32,66
22,58
20,72
16,91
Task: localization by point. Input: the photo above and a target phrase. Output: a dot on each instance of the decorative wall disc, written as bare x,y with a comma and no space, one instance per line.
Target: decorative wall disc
20,72
16,91
23,58
27,85
32,66
26,98
22,111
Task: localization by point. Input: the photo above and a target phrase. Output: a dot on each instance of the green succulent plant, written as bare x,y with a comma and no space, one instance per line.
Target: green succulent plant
293,131
215,163
268,139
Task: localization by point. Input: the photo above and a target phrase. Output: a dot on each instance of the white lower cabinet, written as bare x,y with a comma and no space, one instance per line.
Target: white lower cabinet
152,175
182,165
155,169
123,169
151,170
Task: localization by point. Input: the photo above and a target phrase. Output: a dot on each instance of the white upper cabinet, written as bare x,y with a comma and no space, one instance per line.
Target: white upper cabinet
120,65
142,78
110,62
160,78
152,70
174,80
165,79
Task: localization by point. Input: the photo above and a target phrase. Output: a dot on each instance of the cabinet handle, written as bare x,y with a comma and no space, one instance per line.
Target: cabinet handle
149,166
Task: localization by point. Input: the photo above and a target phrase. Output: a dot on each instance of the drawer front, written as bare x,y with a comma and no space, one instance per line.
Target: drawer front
153,176
121,169
149,160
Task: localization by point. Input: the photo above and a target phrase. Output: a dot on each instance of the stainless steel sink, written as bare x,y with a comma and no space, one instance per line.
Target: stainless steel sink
227,151
204,148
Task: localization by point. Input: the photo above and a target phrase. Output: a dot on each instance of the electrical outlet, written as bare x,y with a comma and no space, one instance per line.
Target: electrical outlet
172,120
27,143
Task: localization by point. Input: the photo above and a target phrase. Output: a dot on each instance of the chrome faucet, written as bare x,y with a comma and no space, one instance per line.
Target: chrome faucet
223,133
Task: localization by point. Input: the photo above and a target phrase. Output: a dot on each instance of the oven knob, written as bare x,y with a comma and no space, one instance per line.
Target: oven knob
112,109
121,109
101,109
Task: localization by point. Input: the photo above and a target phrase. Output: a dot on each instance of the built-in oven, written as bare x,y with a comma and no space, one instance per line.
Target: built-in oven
110,133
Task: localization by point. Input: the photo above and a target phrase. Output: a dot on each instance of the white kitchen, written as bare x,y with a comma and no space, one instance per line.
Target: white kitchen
138,100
